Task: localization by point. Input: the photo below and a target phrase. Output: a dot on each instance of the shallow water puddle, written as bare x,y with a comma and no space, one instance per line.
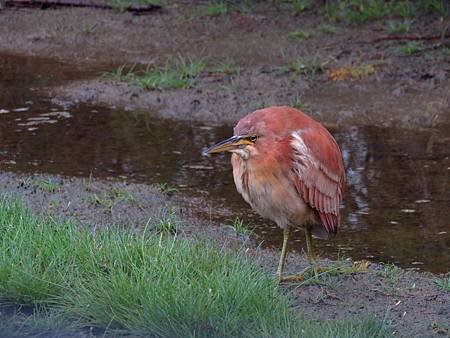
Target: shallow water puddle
396,207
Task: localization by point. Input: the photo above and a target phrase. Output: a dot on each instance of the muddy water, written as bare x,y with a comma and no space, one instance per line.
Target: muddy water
396,208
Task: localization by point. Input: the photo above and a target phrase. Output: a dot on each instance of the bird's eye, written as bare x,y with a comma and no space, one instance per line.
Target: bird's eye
253,138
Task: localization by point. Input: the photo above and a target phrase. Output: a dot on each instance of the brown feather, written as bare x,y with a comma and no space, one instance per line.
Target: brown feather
296,149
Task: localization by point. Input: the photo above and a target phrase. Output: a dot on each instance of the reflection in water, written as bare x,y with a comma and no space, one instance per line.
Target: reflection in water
395,209
355,164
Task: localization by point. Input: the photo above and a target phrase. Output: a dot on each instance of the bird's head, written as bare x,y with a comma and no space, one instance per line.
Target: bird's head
243,145
257,132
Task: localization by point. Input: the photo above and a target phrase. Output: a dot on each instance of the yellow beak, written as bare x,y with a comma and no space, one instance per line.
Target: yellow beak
227,145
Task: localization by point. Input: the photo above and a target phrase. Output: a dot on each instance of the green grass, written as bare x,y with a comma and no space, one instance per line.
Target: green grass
109,198
410,48
143,284
166,188
48,185
39,323
440,328
440,7
166,222
299,6
445,51
121,5
89,28
122,73
355,12
232,84
214,9
443,283
390,273
403,26
307,66
403,9
241,228
300,34
298,103
323,28
327,28
391,276
361,11
217,8
178,73
227,67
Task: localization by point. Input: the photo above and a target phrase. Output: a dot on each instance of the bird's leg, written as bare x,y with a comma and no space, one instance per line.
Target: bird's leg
310,250
309,247
284,250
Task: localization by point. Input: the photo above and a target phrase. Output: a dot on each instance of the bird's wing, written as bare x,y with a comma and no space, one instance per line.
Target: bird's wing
319,173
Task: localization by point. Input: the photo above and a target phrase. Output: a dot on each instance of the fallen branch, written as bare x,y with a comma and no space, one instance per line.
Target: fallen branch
100,4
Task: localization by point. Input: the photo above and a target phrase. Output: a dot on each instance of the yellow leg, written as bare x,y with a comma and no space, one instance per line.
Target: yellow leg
289,279
309,247
284,250
310,251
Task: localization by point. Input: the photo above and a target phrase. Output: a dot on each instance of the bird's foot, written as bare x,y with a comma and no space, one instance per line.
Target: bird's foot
314,272
357,267
291,279
297,278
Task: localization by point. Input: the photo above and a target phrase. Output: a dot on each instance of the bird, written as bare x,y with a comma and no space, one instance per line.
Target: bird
289,168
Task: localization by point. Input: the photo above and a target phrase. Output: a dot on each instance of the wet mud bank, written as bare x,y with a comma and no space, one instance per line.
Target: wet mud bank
216,101
388,85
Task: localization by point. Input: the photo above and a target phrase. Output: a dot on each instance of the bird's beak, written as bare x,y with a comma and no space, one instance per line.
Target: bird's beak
230,144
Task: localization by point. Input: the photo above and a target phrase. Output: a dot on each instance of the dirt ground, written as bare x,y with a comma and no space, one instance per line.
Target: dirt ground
406,91
411,303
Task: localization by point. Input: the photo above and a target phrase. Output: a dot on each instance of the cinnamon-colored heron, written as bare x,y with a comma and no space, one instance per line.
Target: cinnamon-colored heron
289,168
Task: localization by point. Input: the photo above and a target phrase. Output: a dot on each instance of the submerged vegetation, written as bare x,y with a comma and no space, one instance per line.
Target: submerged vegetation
142,284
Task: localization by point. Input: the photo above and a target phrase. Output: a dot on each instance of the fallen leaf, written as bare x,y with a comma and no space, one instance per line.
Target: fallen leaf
354,73
361,266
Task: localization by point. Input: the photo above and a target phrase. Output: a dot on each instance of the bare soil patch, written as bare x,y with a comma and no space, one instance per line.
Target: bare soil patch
403,90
